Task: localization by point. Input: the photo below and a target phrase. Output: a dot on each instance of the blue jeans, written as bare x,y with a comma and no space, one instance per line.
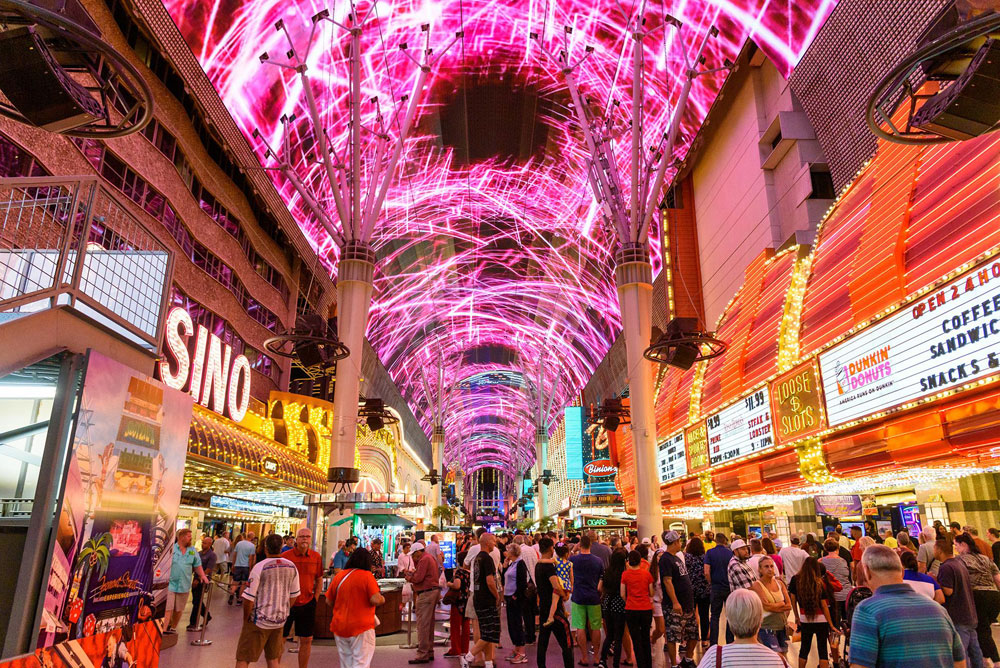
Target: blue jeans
776,640
719,596
973,653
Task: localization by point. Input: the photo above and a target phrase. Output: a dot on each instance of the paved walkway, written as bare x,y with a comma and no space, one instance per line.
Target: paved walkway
223,631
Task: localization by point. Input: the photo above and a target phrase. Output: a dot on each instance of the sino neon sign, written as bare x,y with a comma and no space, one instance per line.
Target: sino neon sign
205,367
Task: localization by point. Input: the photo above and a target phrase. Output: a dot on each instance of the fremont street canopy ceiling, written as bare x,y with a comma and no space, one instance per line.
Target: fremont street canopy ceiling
491,251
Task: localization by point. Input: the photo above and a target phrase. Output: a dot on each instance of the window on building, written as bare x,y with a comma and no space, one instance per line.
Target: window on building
822,185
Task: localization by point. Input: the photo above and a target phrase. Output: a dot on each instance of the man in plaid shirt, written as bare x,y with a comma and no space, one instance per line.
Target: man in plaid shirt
741,575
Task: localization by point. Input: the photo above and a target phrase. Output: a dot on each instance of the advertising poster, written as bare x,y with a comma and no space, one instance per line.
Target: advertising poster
945,340
111,558
137,645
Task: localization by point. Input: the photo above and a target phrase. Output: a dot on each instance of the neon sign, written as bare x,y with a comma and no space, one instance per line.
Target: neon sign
200,363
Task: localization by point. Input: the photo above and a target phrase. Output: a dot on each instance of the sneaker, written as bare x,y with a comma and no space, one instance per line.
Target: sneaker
464,660
449,655
169,632
520,658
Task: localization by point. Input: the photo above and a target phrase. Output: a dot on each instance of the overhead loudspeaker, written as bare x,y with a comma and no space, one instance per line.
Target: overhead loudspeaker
682,356
970,106
38,87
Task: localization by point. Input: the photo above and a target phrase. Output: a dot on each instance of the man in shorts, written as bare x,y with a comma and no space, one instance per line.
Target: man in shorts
271,591
302,616
185,563
486,599
585,601
682,625
244,556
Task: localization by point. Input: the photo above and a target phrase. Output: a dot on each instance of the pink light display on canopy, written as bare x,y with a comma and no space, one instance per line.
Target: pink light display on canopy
490,246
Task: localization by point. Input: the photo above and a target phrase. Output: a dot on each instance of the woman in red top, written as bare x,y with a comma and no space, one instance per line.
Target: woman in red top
637,590
353,595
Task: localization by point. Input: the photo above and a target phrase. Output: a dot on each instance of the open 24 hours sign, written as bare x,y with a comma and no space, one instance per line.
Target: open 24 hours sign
947,338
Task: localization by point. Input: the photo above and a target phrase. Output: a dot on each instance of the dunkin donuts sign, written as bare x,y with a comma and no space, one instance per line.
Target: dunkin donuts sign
600,468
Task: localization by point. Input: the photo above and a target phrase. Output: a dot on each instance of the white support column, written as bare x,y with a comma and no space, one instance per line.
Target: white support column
437,448
634,278
541,461
354,298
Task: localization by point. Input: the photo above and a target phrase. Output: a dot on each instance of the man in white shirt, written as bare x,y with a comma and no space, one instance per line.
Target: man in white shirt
271,591
792,558
756,553
221,548
433,548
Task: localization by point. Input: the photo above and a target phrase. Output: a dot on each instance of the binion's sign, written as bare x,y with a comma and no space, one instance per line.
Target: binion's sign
600,468
200,363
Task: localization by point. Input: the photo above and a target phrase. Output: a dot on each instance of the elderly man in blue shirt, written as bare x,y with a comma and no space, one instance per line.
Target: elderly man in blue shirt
185,563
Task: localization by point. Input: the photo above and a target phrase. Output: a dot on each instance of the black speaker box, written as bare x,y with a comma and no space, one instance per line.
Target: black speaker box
970,106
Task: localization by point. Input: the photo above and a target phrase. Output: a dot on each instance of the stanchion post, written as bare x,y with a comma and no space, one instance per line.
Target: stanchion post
409,628
207,608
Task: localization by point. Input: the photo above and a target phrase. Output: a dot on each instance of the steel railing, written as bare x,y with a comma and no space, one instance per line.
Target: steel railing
71,241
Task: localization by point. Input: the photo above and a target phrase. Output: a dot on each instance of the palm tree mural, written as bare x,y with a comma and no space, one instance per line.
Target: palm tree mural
94,556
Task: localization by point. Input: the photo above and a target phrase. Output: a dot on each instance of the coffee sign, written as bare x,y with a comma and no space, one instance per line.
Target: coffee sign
797,405
945,340
198,362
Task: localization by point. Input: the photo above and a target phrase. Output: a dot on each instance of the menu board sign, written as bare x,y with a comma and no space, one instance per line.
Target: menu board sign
797,405
740,429
948,338
670,458
697,447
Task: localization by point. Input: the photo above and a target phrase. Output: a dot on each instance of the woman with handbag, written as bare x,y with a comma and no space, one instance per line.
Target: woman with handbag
776,603
515,584
458,597
353,595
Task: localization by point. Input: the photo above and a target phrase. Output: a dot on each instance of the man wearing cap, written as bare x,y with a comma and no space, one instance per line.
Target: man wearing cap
741,575
682,626
426,592
378,562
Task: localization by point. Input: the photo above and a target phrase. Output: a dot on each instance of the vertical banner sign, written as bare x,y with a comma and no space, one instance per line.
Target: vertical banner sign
111,557
670,458
697,447
574,442
797,405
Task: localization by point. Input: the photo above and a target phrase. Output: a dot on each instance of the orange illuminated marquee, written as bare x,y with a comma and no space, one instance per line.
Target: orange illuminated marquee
200,363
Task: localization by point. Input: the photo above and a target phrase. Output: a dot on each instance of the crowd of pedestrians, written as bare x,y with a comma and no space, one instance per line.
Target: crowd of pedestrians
865,601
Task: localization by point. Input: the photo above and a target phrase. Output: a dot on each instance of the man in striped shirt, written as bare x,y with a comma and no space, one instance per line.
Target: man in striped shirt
271,591
897,627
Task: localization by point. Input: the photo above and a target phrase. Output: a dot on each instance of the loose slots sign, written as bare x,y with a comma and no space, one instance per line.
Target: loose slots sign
797,404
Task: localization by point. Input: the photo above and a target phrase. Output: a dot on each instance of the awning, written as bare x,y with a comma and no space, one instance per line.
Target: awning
381,520
218,440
